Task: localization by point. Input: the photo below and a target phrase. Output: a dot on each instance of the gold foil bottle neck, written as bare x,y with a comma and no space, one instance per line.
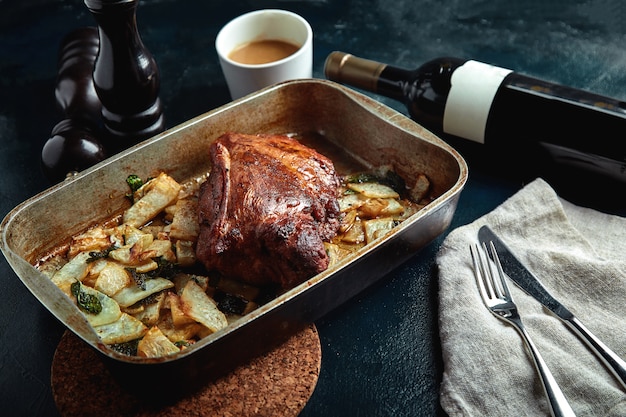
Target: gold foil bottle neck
358,72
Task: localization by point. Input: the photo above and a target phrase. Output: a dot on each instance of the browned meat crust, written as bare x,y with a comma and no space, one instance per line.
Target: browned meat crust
266,208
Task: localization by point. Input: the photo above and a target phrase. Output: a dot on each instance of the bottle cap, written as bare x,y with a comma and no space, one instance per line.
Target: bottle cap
359,72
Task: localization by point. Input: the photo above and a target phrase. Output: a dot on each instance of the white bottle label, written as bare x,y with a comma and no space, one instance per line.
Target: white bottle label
473,87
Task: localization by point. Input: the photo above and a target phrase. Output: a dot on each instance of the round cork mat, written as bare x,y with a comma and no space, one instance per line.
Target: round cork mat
278,383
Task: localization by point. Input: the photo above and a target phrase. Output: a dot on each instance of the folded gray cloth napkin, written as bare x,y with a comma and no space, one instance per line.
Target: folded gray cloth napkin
580,256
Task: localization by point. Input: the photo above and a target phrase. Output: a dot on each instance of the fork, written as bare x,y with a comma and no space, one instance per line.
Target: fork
497,297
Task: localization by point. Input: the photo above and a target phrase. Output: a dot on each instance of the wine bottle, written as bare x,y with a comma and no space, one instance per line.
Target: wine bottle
566,129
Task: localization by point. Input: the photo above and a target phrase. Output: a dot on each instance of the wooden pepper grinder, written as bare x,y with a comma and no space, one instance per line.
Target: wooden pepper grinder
126,76
75,142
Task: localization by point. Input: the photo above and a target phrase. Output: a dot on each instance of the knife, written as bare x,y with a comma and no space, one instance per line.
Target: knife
528,282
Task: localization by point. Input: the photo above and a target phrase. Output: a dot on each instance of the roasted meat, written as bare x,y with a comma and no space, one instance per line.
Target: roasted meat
266,209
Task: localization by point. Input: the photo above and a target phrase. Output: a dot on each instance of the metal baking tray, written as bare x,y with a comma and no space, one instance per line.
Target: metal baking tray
363,128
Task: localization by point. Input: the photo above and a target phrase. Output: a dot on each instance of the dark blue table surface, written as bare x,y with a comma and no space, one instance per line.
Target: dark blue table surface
381,353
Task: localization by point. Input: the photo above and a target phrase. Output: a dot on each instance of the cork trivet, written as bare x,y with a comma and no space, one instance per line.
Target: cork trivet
278,383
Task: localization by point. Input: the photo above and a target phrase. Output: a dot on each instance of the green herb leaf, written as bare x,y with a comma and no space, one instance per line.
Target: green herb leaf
182,343
134,182
87,302
95,255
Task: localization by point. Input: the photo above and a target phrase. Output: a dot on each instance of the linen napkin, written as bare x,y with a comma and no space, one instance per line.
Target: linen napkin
580,256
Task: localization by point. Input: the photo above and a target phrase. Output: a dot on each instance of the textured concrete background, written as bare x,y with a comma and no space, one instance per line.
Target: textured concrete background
380,351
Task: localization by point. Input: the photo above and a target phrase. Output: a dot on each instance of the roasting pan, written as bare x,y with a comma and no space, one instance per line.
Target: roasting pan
365,129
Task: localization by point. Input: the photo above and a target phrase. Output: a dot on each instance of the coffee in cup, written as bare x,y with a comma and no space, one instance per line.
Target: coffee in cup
262,48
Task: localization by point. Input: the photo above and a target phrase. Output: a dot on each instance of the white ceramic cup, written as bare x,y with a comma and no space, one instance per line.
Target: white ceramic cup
269,24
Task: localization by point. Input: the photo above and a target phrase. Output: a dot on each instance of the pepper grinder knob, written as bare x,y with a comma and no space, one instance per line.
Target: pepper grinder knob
125,75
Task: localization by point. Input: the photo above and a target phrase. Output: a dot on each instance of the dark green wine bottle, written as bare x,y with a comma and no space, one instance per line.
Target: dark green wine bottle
523,117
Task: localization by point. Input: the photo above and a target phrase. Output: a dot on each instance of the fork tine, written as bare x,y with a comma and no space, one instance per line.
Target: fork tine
484,285
485,272
477,271
501,284
492,286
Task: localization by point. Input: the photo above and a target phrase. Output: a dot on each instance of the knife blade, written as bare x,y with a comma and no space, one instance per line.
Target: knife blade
528,282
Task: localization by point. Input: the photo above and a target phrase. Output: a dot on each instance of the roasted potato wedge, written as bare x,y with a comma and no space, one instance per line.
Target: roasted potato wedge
199,306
